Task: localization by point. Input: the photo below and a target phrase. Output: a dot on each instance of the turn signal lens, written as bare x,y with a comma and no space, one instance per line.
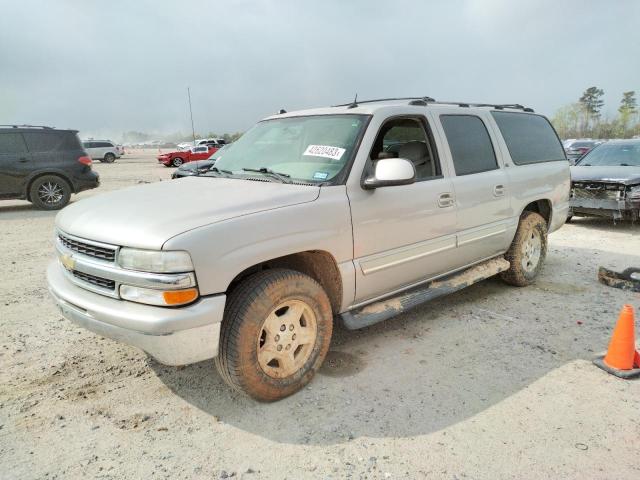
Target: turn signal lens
163,298
180,297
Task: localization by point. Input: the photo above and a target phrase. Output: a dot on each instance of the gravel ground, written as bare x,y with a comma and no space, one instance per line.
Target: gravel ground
492,382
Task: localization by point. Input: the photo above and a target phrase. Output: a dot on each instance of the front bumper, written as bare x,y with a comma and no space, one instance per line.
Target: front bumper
617,209
173,336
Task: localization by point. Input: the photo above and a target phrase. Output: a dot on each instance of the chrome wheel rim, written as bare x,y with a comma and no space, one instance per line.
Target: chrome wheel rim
532,249
50,193
287,338
177,162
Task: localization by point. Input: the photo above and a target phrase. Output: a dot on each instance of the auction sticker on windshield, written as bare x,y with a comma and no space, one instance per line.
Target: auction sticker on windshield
334,153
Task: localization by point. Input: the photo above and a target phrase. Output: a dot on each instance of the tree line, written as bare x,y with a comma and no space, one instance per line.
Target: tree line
584,119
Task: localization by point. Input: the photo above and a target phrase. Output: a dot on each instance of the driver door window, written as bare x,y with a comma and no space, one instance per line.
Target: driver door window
407,138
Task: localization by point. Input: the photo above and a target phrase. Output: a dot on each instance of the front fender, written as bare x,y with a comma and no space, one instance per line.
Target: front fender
223,250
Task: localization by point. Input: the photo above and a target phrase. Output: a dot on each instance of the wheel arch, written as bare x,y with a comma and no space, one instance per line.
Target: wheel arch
318,264
542,207
35,176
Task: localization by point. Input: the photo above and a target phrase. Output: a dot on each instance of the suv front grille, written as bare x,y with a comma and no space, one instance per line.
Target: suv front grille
598,190
89,249
93,280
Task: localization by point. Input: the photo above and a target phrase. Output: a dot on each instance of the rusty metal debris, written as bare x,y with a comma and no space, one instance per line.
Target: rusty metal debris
628,279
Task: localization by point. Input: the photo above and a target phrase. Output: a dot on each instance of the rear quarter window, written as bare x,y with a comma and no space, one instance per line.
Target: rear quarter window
529,138
70,141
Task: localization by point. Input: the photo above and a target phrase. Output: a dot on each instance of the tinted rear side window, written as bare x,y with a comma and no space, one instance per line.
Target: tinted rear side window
11,143
42,142
529,138
70,141
469,142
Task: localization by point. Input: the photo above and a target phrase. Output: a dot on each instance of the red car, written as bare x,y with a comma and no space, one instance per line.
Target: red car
176,159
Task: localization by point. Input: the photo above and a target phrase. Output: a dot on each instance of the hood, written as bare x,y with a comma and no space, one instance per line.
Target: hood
147,216
624,175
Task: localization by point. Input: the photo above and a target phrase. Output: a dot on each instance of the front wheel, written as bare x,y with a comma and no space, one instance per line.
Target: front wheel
528,250
109,158
275,334
176,162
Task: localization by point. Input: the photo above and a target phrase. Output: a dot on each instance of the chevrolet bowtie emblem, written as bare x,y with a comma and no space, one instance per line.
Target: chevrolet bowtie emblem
68,262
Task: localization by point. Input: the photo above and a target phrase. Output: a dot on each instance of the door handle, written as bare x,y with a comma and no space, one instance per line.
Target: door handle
498,190
446,200
22,160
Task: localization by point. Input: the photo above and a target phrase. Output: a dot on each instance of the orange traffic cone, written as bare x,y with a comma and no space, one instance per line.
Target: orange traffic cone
622,358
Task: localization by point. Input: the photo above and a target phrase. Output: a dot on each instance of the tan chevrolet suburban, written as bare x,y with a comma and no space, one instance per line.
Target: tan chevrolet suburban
355,212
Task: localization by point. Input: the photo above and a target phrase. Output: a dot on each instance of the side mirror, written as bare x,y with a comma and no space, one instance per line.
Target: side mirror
391,171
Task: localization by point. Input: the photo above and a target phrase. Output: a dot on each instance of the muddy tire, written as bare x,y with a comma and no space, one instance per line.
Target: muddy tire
275,334
528,250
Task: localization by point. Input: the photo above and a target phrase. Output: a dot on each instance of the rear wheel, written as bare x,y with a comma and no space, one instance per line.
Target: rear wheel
176,162
49,192
528,250
109,158
275,334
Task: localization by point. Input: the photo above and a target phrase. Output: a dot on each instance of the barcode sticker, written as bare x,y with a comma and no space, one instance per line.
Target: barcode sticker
334,153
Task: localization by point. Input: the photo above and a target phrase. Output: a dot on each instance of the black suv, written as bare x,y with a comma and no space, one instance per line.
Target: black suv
43,165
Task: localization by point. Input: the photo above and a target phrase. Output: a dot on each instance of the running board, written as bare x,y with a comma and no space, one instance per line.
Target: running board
390,307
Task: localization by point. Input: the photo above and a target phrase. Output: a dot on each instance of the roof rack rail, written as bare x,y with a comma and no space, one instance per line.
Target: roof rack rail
497,106
423,101
28,126
375,100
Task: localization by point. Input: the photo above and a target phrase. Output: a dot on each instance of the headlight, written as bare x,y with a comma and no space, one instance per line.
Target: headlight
155,261
164,298
634,192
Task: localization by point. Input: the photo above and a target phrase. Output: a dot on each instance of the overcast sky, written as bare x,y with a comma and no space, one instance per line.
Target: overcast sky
105,67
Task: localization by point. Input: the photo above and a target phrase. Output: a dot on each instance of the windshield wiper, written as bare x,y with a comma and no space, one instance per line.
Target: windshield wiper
283,177
219,170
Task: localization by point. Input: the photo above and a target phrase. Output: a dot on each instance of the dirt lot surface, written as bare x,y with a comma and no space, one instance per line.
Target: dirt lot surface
493,382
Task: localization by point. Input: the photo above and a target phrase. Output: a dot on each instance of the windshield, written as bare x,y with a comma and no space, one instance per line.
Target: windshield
613,154
312,149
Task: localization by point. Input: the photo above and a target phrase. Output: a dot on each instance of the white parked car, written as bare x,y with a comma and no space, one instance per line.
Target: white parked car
103,150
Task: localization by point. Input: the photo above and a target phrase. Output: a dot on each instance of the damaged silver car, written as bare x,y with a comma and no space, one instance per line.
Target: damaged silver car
606,181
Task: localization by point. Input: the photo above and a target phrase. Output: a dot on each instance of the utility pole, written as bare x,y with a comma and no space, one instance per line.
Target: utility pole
193,131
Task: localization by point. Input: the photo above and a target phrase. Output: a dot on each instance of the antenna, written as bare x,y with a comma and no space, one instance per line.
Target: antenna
355,102
193,132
